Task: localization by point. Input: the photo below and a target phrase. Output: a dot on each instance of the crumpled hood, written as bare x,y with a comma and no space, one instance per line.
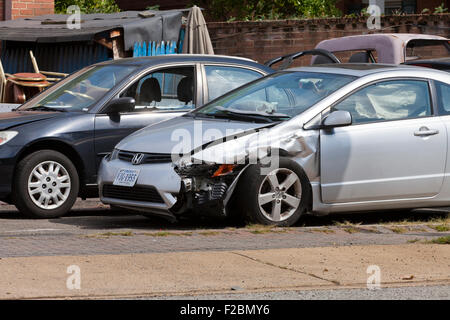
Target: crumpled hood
16,118
183,134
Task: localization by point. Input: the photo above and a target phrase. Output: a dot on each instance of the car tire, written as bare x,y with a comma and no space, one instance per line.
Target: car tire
263,203
45,185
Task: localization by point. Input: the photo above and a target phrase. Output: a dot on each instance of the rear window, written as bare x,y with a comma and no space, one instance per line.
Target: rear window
426,49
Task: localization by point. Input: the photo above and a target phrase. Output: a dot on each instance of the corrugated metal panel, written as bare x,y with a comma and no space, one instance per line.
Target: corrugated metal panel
65,58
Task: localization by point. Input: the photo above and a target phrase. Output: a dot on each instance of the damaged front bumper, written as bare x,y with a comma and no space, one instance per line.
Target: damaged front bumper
182,190
206,189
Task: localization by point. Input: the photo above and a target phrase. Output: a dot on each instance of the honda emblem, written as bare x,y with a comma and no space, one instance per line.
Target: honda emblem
137,159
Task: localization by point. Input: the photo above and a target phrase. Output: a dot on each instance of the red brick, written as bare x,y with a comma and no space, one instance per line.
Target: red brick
33,5
26,12
40,12
19,5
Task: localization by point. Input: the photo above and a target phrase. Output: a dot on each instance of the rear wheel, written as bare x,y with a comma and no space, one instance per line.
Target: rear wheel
276,198
46,185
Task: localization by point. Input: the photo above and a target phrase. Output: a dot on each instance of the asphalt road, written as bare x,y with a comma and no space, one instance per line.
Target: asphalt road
92,228
104,237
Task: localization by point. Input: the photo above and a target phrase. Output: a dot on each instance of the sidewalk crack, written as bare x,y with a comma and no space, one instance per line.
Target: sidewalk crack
286,268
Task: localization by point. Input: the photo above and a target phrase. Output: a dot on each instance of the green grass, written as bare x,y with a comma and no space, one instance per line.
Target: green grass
110,234
351,230
440,227
209,233
260,231
323,230
398,229
167,234
346,223
258,226
441,240
263,229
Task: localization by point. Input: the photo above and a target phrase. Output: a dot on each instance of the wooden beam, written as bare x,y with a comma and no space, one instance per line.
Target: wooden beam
104,42
51,73
115,34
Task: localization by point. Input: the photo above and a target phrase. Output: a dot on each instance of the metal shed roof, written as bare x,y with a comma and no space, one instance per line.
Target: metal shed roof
161,26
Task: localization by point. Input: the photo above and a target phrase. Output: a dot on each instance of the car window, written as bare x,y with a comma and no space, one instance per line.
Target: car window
269,99
388,100
426,49
280,95
166,89
355,56
222,79
443,92
82,91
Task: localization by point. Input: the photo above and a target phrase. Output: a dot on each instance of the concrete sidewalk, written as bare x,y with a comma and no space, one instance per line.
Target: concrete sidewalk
188,273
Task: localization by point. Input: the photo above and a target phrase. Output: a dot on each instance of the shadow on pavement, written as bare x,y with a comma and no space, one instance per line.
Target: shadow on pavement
107,219
91,215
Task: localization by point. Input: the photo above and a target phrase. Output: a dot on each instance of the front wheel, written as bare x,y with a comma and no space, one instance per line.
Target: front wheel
277,197
46,185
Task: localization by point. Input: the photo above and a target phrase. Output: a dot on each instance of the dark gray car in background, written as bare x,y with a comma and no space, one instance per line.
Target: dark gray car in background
51,147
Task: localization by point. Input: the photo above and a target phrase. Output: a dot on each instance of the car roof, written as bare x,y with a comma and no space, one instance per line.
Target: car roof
175,58
405,37
390,47
356,69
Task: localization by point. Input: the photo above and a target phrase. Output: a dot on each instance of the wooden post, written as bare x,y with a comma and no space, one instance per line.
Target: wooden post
2,82
117,44
34,62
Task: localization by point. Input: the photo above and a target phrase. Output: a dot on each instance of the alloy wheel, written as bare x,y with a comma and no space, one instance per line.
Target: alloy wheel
280,194
49,185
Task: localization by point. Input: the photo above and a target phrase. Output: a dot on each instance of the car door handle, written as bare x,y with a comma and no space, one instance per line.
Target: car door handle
425,132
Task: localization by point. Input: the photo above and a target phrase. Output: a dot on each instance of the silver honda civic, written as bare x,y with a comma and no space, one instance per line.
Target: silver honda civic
334,138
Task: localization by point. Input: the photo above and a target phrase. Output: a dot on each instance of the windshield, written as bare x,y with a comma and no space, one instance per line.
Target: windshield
279,96
82,91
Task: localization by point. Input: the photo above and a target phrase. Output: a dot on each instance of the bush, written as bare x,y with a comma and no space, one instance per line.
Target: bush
245,10
87,6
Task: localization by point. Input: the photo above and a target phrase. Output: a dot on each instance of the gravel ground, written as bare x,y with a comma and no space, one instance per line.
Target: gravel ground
401,293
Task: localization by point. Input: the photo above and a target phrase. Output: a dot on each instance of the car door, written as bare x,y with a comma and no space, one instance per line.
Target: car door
394,149
160,95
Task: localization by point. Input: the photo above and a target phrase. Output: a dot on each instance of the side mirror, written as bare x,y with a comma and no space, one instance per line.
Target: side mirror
118,105
338,118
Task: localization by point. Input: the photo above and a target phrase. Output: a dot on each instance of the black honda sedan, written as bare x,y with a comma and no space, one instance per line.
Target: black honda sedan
51,147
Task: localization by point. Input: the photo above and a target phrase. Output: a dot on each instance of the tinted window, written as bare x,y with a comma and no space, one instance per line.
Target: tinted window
443,91
168,89
223,79
388,100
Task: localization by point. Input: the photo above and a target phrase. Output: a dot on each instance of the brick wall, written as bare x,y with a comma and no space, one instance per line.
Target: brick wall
2,10
30,8
264,40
